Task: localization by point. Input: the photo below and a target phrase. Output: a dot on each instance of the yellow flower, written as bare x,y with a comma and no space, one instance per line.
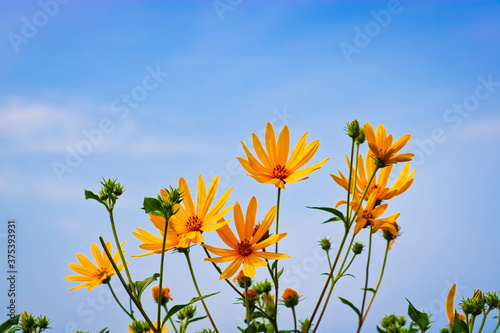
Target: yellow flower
275,166
246,249
153,243
382,147
403,182
370,216
190,222
94,275
450,300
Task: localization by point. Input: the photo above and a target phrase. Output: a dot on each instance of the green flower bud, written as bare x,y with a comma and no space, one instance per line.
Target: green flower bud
361,137
445,330
190,311
357,248
42,322
303,325
353,129
325,244
492,299
263,287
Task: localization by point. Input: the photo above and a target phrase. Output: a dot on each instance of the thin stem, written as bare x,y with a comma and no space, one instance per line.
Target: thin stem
379,280
276,284
349,181
294,319
118,301
334,282
115,234
240,294
160,286
363,196
127,288
498,324
171,320
366,278
247,305
472,320
327,282
485,314
198,291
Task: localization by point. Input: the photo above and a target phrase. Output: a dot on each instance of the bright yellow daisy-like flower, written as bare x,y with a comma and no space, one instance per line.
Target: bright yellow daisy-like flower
382,147
153,243
403,182
275,166
93,275
370,215
189,221
246,249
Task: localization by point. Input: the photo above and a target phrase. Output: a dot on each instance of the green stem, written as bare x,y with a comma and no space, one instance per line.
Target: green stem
198,290
115,234
171,320
294,320
247,305
276,284
366,278
118,301
379,280
334,281
239,293
472,320
127,288
485,314
498,324
363,196
165,231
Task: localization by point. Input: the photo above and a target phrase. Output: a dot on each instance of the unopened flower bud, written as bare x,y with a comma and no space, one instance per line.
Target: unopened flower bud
290,298
242,280
165,294
361,137
492,299
303,325
325,244
353,129
263,287
357,248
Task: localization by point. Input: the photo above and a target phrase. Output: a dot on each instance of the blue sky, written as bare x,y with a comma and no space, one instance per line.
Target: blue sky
150,91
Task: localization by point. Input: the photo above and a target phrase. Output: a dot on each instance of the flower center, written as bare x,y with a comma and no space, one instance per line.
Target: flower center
100,273
244,248
280,172
367,215
193,223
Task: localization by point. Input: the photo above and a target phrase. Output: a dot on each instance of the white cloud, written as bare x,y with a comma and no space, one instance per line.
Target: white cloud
37,127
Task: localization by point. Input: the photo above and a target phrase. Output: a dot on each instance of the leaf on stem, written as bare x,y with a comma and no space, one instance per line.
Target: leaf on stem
179,307
421,319
142,285
151,205
334,211
346,302
92,195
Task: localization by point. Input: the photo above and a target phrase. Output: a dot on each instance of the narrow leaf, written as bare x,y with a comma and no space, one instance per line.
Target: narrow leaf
334,211
92,195
421,319
346,302
9,323
179,307
332,219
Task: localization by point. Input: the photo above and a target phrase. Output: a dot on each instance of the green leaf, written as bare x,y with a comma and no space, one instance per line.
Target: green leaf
196,319
179,307
421,319
281,271
379,330
151,205
104,330
346,302
9,323
460,326
142,285
369,289
92,195
335,212
332,219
